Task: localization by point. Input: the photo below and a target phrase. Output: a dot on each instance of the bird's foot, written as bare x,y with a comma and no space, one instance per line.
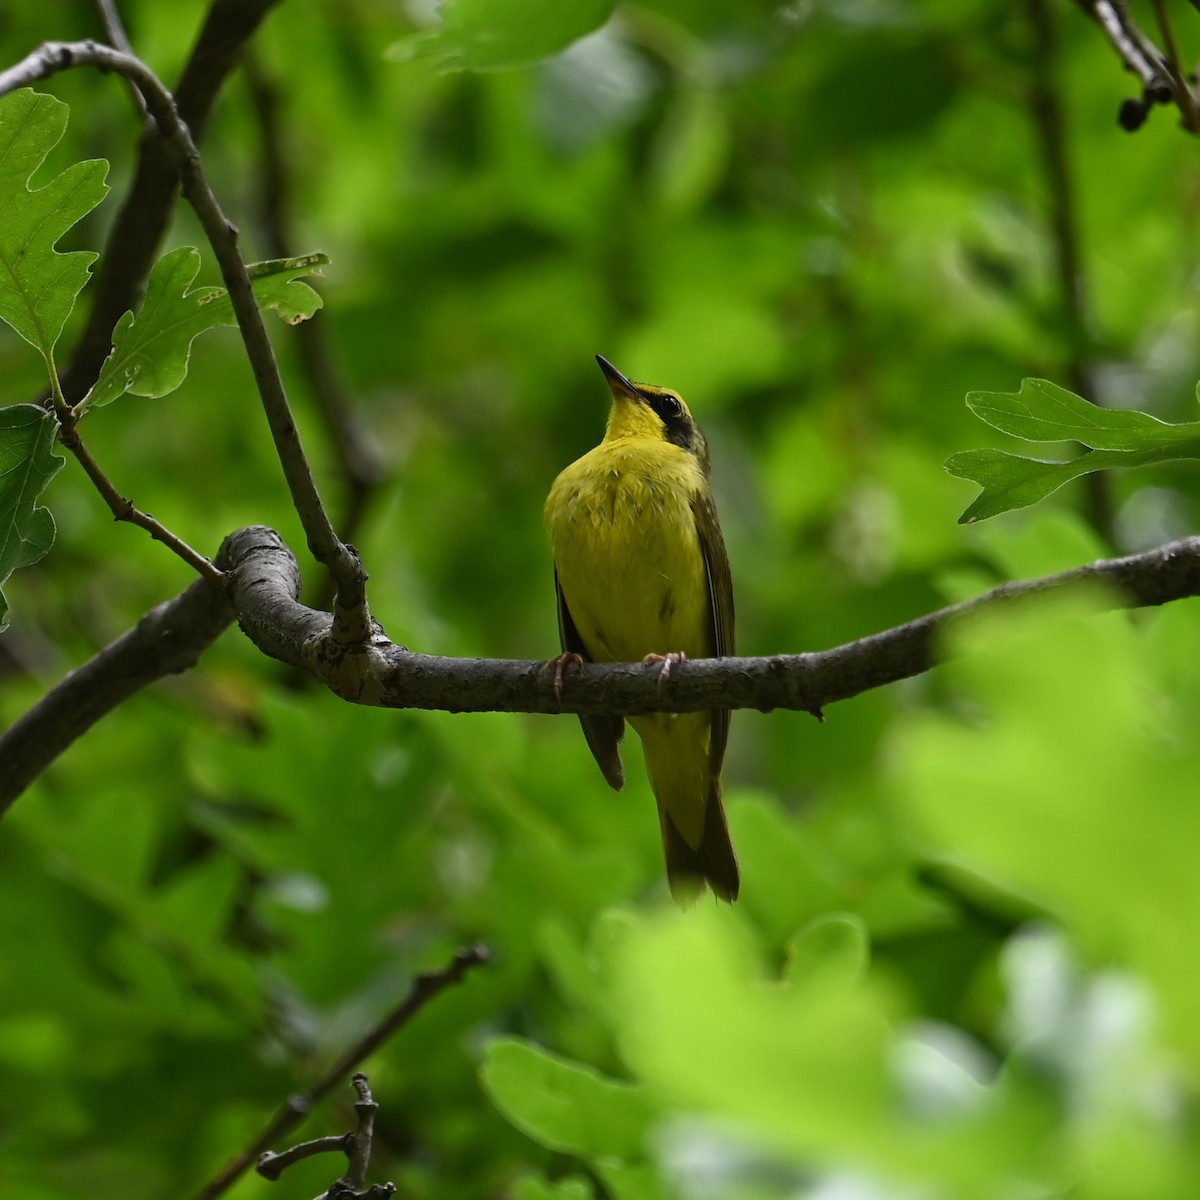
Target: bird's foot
568,659
668,661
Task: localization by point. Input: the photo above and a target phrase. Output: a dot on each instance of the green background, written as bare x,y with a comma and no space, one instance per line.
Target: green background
964,960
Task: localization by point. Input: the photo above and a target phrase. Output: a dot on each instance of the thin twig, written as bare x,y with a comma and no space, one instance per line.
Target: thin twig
123,509
425,988
352,619
358,459
114,28
360,1150
118,39
271,1165
1184,97
1135,50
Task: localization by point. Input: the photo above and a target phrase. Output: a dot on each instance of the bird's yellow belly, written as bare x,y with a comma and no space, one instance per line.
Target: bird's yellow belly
629,559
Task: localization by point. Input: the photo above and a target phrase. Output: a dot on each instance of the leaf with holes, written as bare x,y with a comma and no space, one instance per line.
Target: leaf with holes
39,285
26,466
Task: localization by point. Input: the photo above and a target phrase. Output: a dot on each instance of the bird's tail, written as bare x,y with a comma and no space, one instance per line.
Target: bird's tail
712,861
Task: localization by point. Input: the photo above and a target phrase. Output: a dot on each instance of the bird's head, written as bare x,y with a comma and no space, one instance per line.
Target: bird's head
644,410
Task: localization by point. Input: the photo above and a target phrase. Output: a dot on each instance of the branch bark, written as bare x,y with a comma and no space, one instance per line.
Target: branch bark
266,581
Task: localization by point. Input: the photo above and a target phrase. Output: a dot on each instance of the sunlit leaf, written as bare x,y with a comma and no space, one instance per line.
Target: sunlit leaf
1063,789
566,1106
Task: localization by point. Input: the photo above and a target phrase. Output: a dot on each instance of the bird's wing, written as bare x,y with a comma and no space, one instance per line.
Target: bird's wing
720,596
603,733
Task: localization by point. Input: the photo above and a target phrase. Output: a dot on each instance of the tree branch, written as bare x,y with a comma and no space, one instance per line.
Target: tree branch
1161,83
267,582
293,1110
351,618
271,1165
167,640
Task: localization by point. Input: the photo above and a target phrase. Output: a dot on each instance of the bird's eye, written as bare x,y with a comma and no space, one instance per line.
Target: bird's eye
671,407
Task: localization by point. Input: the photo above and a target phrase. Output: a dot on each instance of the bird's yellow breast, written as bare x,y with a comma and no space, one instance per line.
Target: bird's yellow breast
627,552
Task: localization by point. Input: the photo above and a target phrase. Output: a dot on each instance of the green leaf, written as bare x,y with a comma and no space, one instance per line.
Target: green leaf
1073,783
834,946
150,351
623,1181
1011,481
532,1187
38,285
492,35
1044,412
26,466
563,1105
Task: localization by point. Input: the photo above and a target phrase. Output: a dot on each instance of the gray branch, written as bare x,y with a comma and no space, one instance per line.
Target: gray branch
378,672
267,582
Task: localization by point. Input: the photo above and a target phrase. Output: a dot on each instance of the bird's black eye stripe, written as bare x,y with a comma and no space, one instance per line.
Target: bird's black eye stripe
667,407
678,427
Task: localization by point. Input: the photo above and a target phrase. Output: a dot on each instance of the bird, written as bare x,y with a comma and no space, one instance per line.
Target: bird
641,573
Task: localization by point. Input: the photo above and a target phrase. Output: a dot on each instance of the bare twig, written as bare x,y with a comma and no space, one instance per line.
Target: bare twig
118,39
146,212
425,988
1162,77
1134,49
360,1153
167,640
123,509
271,1165
357,456
352,620
1184,97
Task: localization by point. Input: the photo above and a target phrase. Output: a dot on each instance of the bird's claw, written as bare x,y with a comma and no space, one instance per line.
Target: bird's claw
560,664
668,661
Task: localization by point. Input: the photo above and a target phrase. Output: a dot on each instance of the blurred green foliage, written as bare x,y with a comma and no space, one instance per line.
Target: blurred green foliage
961,964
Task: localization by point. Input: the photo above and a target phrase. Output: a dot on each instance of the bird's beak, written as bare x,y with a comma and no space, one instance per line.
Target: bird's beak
621,386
